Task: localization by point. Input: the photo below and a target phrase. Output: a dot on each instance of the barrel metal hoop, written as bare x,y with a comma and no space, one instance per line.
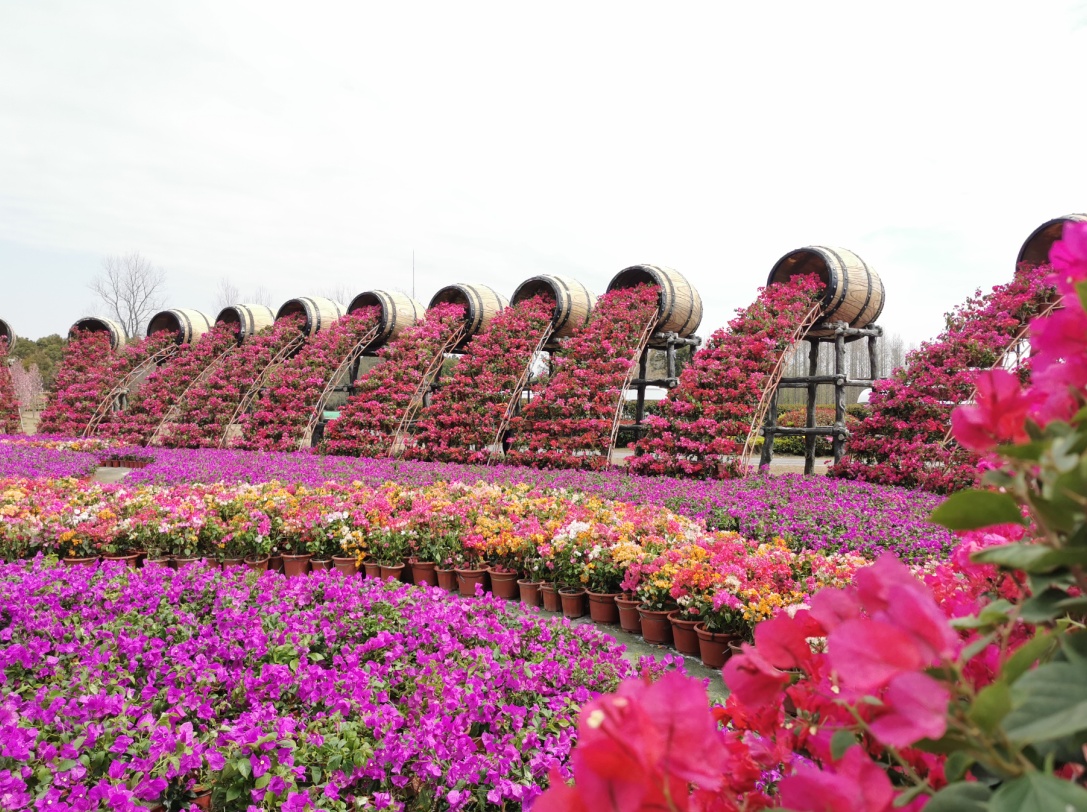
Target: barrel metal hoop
868,298
562,288
843,275
187,325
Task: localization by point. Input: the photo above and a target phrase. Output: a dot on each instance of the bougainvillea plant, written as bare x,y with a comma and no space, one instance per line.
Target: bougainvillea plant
163,386
368,423
899,691
703,423
280,417
904,441
465,413
9,405
568,425
207,408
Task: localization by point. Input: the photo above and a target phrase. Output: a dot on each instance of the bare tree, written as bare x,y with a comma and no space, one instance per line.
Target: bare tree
339,293
226,293
28,384
130,287
262,296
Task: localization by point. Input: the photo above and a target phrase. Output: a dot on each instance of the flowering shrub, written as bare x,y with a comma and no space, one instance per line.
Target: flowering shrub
28,385
960,689
703,423
797,417
280,417
163,386
87,371
205,412
368,422
9,405
902,442
464,415
569,424
294,694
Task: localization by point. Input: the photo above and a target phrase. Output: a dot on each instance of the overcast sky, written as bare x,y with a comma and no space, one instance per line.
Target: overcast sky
307,147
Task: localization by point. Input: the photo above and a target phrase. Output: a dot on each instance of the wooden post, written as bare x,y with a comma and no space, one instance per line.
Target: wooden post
643,370
839,397
873,357
670,357
768,432
813,390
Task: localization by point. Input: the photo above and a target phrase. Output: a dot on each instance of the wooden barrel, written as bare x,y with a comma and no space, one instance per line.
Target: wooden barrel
246,319
318,312
854,292
481,304
679,303
398,312
573,301
8,332
1035,250
98,324
185,323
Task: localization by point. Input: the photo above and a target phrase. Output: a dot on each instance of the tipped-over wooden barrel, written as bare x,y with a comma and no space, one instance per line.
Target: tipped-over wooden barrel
853,293
8,332
398,312
679,303
317,311
1035,250
98,324
573,301
246,319
185,323
481,304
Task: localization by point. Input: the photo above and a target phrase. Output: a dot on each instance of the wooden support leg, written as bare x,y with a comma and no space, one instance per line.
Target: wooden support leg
813,390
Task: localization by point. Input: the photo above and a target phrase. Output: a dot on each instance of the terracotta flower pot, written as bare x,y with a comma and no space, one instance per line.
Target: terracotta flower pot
683,635
573,602
295,565
629,619
372,569
345,564
156,562
550,595
129,560
467,580
424,572
275,563
80,562
258,564
230,563
212,563
504,584
320,564
183,562
530,592
602,608
447,579
714,647
392,572
656,627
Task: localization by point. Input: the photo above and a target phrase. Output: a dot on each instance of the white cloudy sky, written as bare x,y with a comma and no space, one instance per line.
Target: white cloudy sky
305,147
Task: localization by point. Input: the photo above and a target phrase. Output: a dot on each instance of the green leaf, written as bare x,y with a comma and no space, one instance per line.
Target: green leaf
956,766
841,741
1027,655
978,646
971,509
244,767
991,706
1074,647
1030,557
1036,792
1048,703
961,797
1026,451
992,614
1081,292
1044,606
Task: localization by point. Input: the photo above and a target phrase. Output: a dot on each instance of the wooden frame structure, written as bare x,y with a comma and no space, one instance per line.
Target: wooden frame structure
840,380
668,342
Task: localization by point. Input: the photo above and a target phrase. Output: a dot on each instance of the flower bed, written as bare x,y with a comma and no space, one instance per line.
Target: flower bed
164,386
703,423
568,425
9,404
902,442
20,456
87,371
279,419
465,413
368,422
204,414
809,512
283,693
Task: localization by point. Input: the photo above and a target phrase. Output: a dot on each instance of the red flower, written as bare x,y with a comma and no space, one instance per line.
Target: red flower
752,679
998,416
914,708
855,785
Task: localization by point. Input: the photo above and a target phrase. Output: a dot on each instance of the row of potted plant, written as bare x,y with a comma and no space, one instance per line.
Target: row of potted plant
368,422
568,424
905,441
703,423
463,418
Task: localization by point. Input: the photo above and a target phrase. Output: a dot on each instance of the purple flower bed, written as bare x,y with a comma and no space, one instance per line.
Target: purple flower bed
809,512
123,689
18,458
